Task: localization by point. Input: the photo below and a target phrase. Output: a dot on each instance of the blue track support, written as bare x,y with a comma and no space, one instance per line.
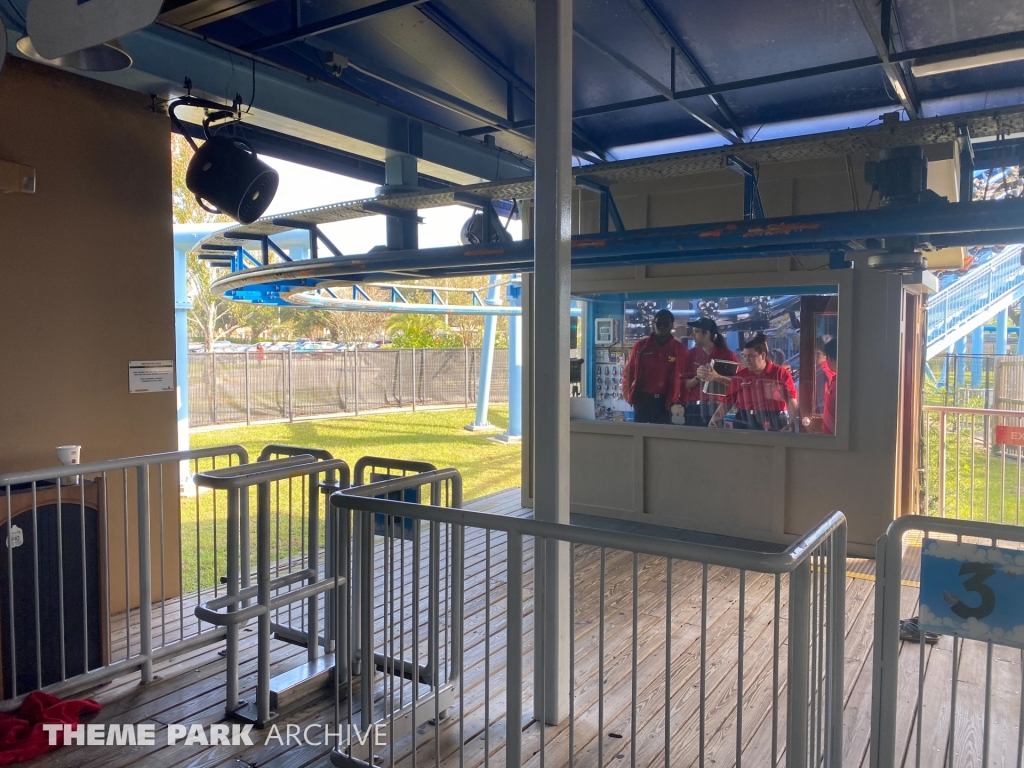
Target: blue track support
977,350
1001,332
515,362
960,350
483,392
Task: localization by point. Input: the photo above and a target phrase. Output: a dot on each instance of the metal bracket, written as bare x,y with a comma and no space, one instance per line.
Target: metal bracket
315,236
966,164
752,208
837,260
608,208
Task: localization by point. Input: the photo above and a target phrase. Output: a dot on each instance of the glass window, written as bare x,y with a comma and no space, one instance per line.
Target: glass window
753,360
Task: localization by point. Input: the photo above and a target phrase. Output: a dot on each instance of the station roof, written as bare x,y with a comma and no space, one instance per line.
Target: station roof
469,66
650,76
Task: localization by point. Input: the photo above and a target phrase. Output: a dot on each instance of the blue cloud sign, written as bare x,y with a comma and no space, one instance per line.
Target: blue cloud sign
973,591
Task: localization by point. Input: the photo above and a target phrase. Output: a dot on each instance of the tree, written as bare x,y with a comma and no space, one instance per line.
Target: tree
211,317
186,209
408,330
356,327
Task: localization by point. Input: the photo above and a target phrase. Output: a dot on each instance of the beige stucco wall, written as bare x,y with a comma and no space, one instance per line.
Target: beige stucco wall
87,274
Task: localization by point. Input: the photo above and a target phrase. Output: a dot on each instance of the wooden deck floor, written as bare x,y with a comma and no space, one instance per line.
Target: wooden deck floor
190,688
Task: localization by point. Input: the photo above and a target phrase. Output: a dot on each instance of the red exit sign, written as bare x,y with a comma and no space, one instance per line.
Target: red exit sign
1006,435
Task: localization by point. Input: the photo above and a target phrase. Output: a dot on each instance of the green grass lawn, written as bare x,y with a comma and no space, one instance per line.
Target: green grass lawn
437,437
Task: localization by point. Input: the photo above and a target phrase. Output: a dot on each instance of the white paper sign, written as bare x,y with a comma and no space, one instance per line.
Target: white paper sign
150,376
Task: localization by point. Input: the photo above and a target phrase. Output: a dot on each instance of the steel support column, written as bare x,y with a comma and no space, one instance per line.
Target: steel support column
1001,332
552,231
483,392
515,363
977,350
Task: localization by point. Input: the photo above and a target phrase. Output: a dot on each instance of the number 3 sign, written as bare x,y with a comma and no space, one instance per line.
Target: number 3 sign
973,591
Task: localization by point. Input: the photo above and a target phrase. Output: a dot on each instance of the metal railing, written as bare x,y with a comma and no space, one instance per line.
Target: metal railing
236,387
976,381
272,596
102,569
965,472
974,298
727,635
933,704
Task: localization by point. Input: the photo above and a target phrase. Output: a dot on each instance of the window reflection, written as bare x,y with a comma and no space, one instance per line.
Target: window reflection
750,362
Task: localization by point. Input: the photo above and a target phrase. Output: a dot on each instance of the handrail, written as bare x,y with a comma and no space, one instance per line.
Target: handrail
971,411
96,467
765,562
405,465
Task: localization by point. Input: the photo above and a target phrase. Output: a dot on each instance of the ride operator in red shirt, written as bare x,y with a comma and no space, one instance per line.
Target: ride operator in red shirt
709,345
651,378
762,392
828,413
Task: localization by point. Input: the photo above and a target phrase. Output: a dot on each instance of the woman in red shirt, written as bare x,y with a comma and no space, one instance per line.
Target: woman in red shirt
709,346
761,392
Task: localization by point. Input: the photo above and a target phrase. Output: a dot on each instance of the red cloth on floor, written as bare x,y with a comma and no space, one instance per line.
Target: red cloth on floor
21,732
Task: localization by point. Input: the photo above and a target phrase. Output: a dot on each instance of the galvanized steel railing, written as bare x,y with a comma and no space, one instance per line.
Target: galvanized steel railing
118,607
965,472
933,726
804,641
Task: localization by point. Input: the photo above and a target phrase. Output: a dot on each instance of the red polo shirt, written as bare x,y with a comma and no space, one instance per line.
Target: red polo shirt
697,357
654,369
768,391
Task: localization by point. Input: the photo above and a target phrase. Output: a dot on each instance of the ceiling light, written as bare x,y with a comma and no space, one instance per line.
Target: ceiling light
926,67
107,57
225,174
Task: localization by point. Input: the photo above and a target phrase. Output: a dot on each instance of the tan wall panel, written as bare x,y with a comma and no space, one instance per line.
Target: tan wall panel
87,277
594,459
676,487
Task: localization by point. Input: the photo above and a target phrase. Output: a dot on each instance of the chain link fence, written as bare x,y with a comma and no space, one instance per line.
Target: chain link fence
246,387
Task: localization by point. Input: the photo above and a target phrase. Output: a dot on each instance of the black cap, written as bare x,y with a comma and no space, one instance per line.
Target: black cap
664,314
705,324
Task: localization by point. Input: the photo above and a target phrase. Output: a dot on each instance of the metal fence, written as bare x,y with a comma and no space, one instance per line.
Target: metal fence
976,381
235,387
678,653
953,703
970,469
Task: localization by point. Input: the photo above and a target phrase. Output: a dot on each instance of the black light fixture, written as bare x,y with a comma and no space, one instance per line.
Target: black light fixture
225,174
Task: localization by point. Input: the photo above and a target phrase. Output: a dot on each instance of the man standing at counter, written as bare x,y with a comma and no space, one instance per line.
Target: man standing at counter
651,377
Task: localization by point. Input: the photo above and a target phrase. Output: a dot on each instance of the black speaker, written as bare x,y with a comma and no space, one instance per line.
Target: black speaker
228,176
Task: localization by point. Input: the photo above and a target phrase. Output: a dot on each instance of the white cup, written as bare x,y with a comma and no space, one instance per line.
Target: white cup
68,455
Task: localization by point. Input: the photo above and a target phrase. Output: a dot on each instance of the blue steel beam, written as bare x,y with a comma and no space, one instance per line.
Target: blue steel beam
328,25
291,102
675,44
471,44
980,222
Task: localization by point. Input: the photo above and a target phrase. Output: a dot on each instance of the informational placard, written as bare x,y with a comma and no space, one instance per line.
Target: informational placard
973,591
150,376
1009,435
